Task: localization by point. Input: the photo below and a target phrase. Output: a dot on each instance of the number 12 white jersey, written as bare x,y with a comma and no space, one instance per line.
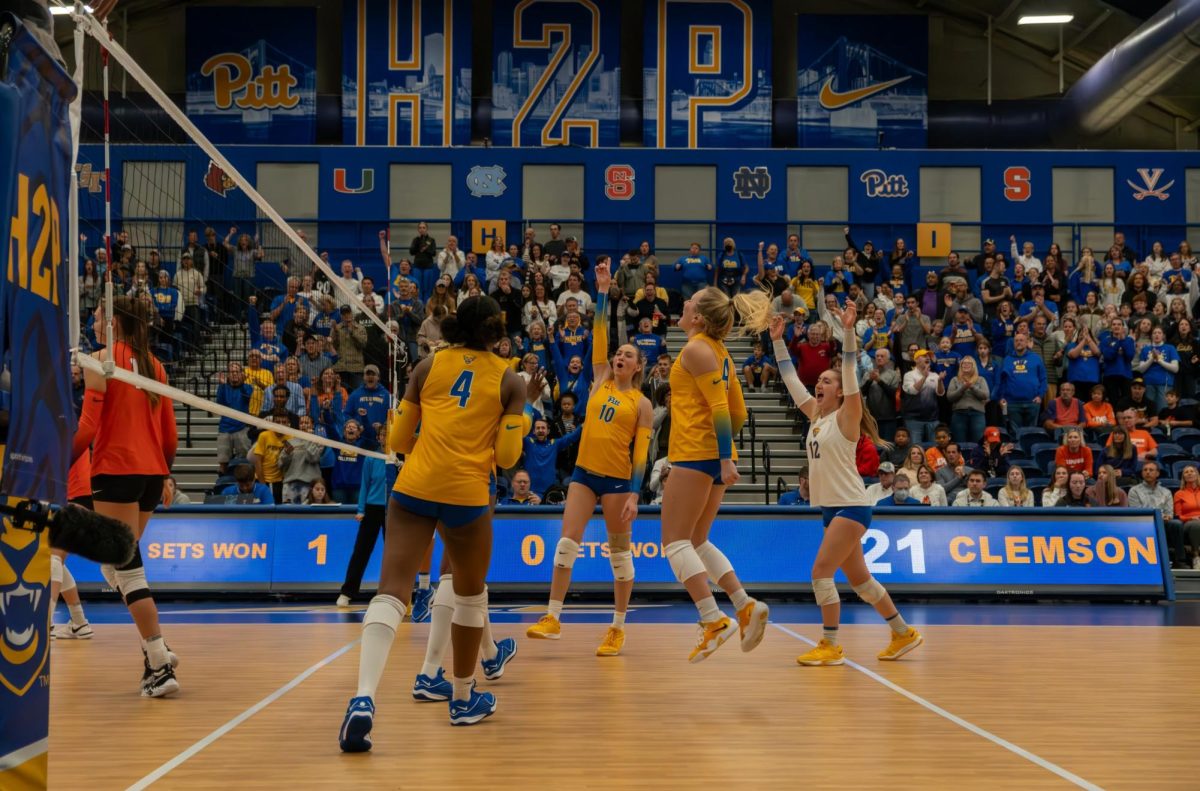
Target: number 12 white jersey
833,478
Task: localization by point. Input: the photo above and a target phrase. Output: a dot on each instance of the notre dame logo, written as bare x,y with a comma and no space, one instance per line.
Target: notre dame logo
24,582
749,183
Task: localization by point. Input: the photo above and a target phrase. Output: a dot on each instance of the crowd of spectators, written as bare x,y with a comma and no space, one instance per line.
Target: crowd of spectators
1001,379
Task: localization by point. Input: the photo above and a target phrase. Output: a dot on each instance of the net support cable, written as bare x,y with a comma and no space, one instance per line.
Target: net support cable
75,113
117,52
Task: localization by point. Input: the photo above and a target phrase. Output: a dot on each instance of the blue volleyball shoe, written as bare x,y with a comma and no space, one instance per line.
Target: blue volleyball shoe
506,649
480,706
437,688
355,736
422,603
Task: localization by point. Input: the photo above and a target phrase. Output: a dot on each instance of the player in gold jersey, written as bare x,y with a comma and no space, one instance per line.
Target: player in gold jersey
618,417
707,409
469,407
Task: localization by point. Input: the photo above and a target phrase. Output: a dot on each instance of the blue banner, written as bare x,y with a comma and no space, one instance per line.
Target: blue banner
997,551
556,75
35,165
707,74
862,81
406,75
252,74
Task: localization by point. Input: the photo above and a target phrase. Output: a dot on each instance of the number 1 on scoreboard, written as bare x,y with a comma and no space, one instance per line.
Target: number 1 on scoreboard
321,544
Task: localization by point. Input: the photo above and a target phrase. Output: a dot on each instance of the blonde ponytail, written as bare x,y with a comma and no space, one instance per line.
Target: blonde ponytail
748,313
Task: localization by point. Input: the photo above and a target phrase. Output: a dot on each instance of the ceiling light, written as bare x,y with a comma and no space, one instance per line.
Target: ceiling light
1046,19
63,10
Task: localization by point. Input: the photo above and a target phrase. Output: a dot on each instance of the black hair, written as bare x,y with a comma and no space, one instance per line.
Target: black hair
243,473
476,325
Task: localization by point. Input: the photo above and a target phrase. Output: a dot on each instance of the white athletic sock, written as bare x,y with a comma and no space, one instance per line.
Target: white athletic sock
156,652
441,613
618,620
740,598
384,613
830,633
897,623
709,611
76,611
462,688
487,643
423,581
555,609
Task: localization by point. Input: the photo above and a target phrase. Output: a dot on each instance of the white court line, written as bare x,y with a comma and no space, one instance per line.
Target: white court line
161,771
959,721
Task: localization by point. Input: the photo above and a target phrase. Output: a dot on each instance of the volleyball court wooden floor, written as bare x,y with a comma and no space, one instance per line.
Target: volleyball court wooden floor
999,696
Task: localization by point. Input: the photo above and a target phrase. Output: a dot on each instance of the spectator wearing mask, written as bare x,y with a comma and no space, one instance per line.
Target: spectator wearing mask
1150,494
522,491
248,490
974,496
884,486
919,405
233,436
900,495
1022,384
799,495
731,269
1015,493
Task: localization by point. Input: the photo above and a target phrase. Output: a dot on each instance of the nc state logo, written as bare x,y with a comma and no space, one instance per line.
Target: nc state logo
1149,187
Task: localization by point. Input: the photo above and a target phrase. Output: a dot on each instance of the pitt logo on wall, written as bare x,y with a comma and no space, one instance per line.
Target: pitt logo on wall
235,82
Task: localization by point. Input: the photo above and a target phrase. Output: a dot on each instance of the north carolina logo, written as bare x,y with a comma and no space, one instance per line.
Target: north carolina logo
749,183
366,182
486,181
218,180
881,185
24,580
1149,187
832,100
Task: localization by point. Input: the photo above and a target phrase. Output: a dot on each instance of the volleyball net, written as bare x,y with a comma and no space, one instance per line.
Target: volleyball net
254,293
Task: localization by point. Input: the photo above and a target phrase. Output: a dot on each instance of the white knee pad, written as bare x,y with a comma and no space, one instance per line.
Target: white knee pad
683,559
714,560
110,576
870,591
68,580
566,553
444,595
620,557
471,611
386,610
132,584
826,591
56,569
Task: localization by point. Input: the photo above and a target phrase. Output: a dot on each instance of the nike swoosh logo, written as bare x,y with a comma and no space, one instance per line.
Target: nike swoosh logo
716,381
833,100
510,428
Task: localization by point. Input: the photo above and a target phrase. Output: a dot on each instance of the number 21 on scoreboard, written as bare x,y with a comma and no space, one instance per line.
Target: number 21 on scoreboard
877,543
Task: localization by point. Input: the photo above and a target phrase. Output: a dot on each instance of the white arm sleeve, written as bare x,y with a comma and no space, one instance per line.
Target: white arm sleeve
850,365
787,372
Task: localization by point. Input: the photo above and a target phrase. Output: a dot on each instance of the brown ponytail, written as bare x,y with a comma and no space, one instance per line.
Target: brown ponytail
132,316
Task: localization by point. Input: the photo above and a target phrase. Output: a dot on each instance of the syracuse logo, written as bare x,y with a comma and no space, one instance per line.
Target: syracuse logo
881,185
24,580
366,182
1149,187
486,181
833,100
218,180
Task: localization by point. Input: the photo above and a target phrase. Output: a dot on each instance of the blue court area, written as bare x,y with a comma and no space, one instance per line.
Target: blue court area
1186,613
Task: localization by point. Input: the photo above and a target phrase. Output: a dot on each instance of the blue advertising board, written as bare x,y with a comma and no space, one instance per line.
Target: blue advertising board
707,74
252,74
934,550
556,76
406,74
862,81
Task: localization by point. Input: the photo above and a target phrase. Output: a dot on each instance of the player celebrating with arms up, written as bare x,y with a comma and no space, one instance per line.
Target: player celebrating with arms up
618,417
838,421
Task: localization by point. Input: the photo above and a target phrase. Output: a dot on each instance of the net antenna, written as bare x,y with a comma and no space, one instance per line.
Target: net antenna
92,27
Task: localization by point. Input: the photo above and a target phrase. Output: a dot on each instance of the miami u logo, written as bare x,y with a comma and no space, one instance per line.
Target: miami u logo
366,182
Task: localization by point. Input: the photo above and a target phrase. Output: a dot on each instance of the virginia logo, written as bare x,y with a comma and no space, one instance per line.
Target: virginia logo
366,182
749,183
218,180
1149,187
832,100
24,580
486,181
881,185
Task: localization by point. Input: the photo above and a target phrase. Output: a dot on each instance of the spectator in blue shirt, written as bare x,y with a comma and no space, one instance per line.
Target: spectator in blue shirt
758,369
326,317
573,338
731,269
295,401
347,465
696,271
651,344
799,495
964,333
263,338
371,513
1117,349
1022,384
945,360
1158,364
571,376
248,490
167,301
522,493
284,305
541,455
837,280
1083,360
233,436
369,403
